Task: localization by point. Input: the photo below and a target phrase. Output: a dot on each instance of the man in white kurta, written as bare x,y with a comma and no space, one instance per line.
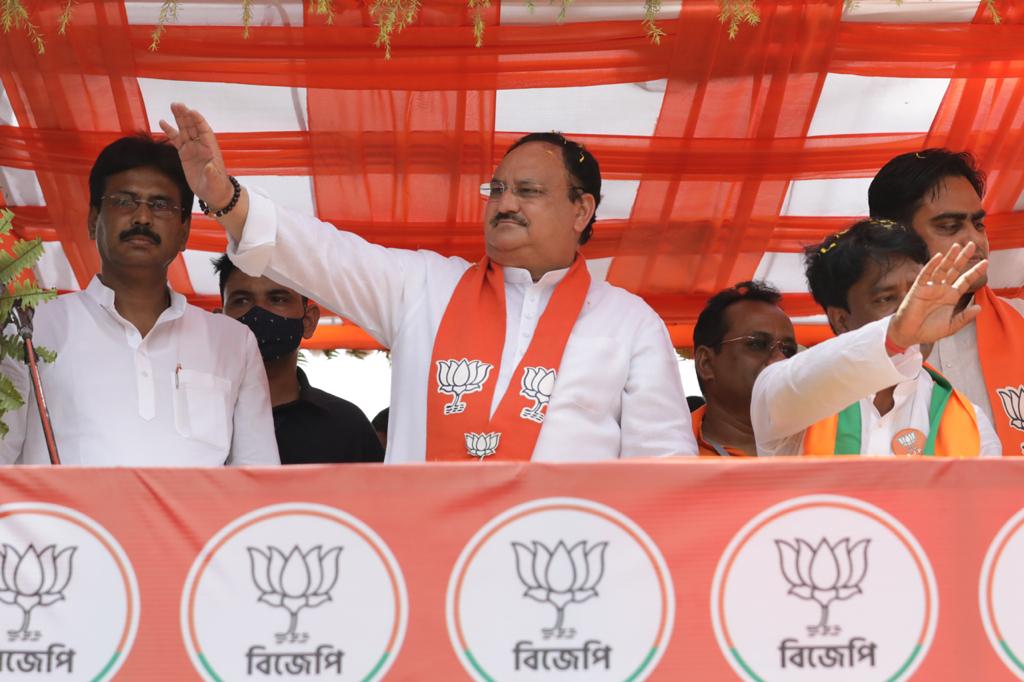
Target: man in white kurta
618,391
859,277
141,378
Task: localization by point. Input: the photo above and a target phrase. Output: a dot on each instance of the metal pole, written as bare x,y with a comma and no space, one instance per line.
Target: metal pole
23,321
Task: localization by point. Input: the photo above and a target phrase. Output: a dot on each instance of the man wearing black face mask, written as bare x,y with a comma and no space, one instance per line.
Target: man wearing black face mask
312,426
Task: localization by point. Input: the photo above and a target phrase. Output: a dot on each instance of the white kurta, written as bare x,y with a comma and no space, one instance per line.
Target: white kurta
957,358
192,392
618,391
791,395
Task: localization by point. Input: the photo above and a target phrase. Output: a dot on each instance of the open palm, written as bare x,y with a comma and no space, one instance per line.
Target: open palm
200,155
929,311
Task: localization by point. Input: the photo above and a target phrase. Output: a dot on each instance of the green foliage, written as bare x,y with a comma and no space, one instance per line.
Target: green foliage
14,15
21,256
733,13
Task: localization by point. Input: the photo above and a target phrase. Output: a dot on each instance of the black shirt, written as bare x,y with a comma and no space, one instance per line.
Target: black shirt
322,428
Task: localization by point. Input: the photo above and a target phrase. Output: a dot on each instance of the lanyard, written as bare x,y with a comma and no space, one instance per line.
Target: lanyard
848,430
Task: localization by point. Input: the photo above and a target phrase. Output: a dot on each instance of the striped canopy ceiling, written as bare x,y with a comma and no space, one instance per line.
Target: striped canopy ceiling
721,157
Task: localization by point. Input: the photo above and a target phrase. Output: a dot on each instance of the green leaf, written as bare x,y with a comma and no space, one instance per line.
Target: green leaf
10,398
28,294
45,354
6,220
11,346
23,255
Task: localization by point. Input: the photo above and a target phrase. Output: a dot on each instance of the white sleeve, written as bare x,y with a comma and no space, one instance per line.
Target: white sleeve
252,440
366,283
991,446
16,420
655,417
791,395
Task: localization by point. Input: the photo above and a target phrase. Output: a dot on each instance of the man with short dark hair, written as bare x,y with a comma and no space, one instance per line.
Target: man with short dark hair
141,377
312,426
938,194
866,391
520,356
741,331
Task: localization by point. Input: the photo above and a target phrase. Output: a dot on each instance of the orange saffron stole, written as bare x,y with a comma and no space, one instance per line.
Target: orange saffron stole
1001,352
465,363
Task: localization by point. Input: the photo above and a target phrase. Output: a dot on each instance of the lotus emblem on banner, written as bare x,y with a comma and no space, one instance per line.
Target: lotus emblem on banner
538,383
1013,405
294,582
459,377
32,579
482,444
826,573
560,577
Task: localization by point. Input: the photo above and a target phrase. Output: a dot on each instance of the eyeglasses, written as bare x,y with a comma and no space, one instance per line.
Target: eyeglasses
129,203
765,344
494,190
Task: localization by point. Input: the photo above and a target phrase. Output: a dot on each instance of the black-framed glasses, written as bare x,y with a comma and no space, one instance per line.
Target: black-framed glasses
495,189
765,344
129,203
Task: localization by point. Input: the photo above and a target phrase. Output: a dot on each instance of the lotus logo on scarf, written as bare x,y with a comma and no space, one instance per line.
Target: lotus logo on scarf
538,383
826,573
294,582
459,377
32,579
1013,405
482,444
560,577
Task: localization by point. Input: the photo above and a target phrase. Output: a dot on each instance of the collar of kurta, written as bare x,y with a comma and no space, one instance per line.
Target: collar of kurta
103,296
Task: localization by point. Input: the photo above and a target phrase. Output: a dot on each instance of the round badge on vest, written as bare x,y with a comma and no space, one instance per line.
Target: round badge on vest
908,442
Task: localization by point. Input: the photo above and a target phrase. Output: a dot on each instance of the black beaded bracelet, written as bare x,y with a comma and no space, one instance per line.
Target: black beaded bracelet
227,209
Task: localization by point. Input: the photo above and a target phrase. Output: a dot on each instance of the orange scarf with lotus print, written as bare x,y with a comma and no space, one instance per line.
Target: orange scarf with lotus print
465,363
1000,342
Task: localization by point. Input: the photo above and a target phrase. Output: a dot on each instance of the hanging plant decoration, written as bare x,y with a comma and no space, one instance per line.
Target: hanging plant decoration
391,17
15,262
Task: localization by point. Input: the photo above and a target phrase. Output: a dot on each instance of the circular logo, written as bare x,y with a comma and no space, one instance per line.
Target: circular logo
1000,594
294,590
580,591
69,602
824,587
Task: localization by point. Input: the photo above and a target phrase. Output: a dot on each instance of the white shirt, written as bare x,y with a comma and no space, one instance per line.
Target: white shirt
957,358
618,391
791,395
193,392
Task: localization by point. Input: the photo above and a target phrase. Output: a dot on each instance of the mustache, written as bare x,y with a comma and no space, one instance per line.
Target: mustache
140,231
514,217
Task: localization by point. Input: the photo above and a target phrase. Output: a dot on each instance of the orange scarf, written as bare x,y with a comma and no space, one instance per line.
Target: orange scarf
705,448
1000,345
957,434
465,362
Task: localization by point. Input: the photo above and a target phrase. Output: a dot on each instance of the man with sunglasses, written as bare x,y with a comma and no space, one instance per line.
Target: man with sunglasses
522,355
866,391
141,377
741,331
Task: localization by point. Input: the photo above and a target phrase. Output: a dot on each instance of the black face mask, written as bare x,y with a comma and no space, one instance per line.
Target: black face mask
277,336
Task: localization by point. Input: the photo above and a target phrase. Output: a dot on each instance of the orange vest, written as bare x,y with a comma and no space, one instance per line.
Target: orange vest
957,434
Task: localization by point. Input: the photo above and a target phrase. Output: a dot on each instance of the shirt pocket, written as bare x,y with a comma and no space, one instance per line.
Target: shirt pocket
201,408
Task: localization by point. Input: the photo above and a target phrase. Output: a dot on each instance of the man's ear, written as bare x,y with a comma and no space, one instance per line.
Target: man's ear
585,207
838,319
310,319
94,215
703,363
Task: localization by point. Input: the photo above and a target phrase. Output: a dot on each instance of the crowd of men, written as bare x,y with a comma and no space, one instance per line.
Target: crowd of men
522,355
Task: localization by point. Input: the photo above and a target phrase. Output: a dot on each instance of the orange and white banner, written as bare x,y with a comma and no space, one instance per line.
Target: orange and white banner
843,570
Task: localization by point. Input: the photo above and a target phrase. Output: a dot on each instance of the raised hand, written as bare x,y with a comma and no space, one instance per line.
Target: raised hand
200,156
929,311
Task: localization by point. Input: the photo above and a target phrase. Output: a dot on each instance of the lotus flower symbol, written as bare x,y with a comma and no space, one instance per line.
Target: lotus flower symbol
560,577
1013,404
538,383
294,582
458,377
824,574
32,579
482,444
